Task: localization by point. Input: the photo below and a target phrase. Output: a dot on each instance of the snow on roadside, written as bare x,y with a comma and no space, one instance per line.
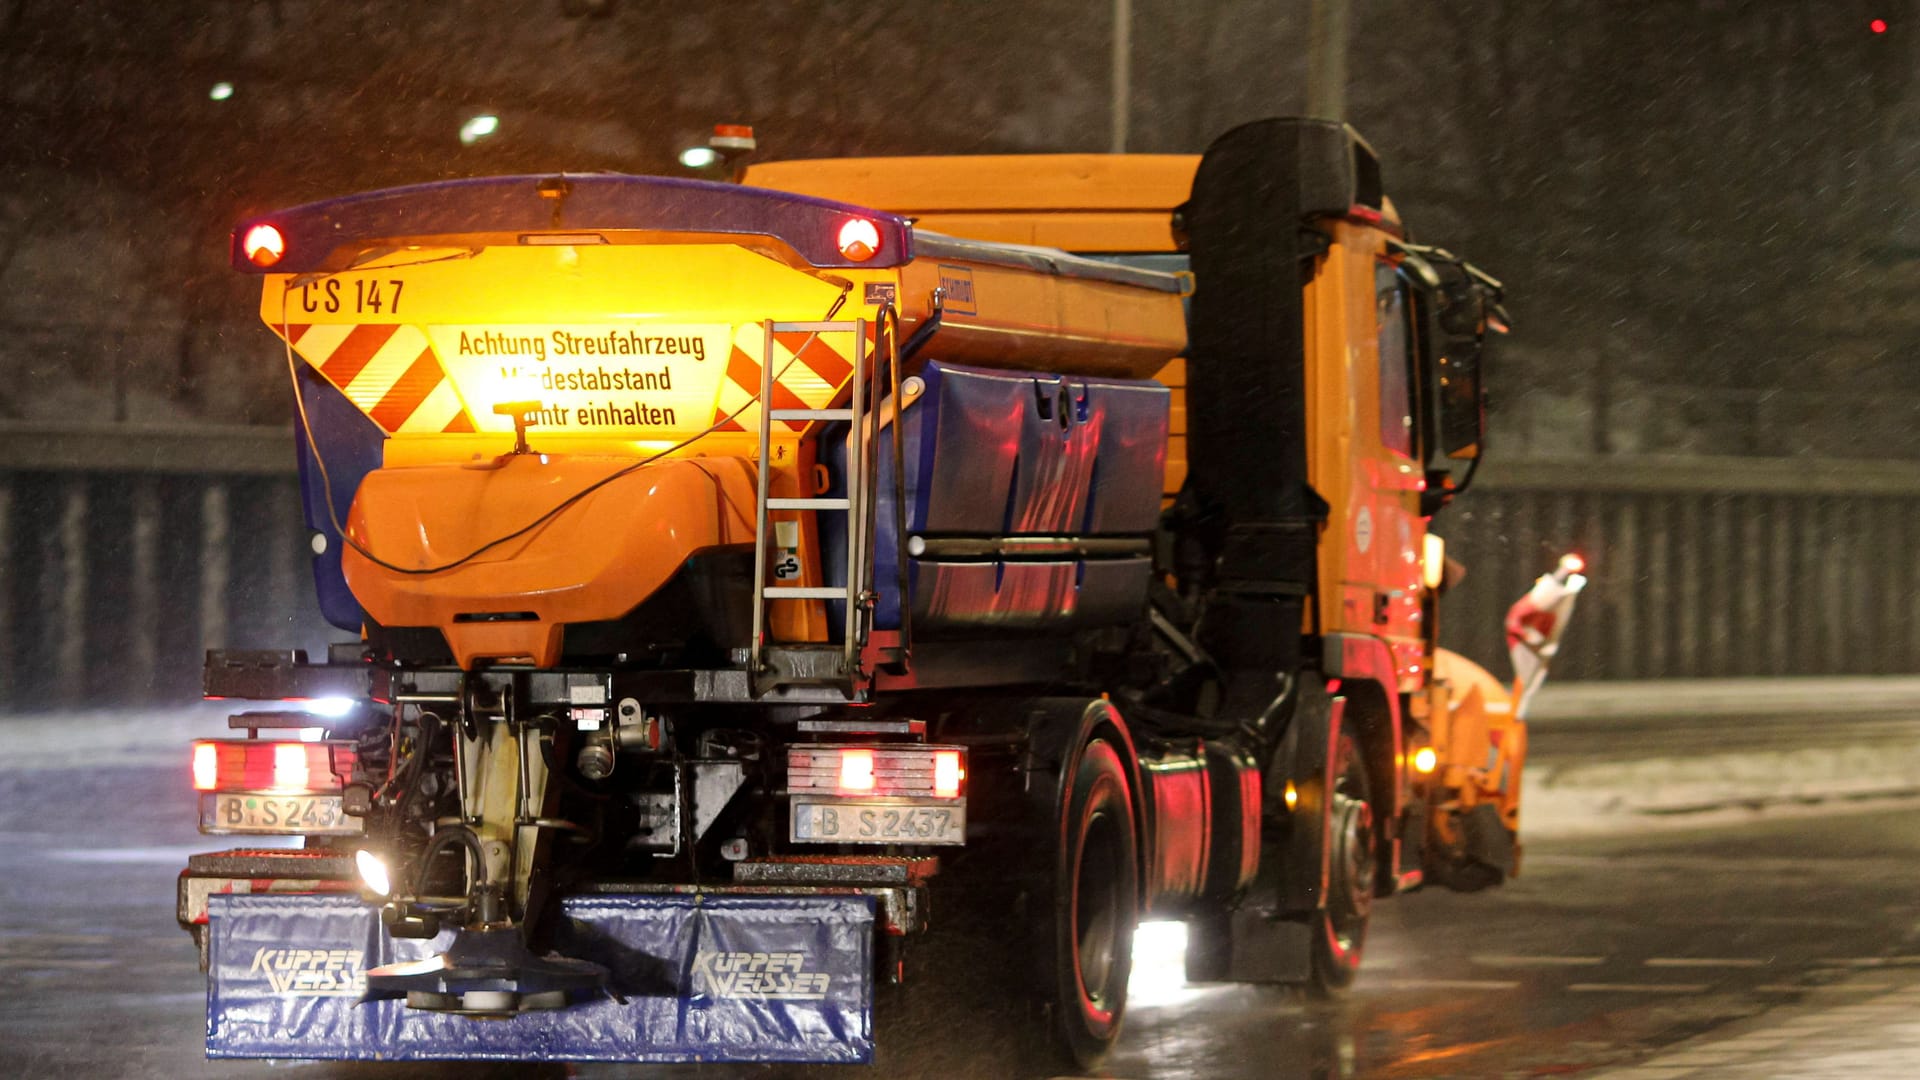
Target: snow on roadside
1605,796
104,737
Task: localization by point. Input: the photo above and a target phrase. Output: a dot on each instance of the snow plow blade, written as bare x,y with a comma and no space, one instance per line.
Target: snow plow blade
693,978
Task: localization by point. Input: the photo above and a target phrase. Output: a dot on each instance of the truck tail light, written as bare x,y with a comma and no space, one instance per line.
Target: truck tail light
856,771
897,770
263,245
266,766
290,770
859,240
947,773
206,766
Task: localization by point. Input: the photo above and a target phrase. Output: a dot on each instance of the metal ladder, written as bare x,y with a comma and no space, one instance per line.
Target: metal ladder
770,663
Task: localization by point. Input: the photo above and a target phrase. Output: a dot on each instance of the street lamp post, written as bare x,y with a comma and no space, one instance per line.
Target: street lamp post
1122,72
1327,60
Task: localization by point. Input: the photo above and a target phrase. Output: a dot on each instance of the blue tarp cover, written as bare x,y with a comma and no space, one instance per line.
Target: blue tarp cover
706,978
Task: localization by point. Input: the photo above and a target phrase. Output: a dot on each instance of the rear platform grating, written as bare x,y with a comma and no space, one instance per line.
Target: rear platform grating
272,863
836,870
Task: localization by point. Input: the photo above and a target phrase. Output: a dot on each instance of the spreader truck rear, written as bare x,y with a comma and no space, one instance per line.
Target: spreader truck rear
730,569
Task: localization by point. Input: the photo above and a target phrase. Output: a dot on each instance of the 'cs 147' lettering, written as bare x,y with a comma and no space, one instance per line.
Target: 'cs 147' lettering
367,296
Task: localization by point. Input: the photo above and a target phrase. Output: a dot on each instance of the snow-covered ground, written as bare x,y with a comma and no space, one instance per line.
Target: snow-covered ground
1702,751
1725,697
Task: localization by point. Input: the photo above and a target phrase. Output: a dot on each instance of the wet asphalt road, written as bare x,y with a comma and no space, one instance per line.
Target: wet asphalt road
1607,950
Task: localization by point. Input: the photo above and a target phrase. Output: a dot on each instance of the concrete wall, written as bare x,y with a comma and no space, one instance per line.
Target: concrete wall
1700,567
126,550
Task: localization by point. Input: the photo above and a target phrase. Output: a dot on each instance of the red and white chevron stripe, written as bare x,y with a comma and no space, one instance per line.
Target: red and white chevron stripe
387,369
819,368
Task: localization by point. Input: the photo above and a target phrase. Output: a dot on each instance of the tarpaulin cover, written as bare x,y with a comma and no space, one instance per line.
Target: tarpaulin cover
705,978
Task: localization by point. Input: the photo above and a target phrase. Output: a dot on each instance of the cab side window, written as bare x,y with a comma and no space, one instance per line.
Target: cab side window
1396,396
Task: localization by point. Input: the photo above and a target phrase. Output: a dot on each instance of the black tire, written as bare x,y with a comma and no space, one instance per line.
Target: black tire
1340,929
1096,906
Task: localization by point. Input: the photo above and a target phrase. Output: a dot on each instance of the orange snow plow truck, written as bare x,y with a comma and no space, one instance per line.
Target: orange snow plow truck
731,565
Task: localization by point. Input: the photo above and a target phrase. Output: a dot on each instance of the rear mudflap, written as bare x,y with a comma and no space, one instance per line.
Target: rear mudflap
254,870
698,977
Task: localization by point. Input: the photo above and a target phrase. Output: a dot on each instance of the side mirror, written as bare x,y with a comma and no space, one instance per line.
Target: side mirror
1460,399
1457,305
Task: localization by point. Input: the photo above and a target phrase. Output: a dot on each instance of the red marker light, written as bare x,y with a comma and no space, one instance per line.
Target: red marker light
1878,26
859,240
856,770
264,245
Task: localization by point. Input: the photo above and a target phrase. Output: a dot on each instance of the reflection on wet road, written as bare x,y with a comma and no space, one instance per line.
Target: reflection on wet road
1606,951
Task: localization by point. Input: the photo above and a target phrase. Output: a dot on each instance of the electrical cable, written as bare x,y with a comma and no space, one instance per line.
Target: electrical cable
442,839
326,480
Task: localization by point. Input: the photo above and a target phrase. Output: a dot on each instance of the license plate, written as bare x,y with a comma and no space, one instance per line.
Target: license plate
309,815
879,821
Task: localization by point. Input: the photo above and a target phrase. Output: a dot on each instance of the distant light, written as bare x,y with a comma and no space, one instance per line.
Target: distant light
478,128
1572,563
699,157
1878,26
1424,760
221,91
1292,796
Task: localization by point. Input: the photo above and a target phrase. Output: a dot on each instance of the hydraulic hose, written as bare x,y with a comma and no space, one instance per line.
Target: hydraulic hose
442,839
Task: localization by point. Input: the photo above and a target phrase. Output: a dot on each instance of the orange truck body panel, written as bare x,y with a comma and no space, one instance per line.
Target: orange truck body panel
457,332
1370,555
1074,202
615,548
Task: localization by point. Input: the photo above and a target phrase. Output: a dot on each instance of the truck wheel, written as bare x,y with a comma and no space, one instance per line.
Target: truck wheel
1341,929
1096,906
